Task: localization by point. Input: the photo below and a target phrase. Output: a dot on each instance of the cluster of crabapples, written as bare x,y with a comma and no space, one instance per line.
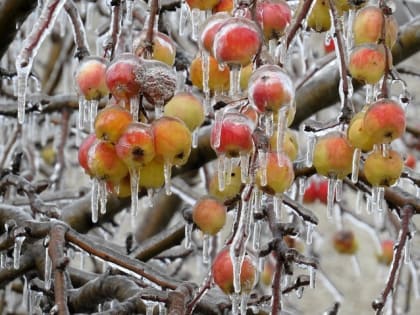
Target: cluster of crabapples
130,148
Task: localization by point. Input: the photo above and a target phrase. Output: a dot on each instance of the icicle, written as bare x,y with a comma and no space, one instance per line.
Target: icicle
237,267
269,123
309,232
369,93
181,75
302,185
218,121
82,260
205,65
158,109
228,170
86,114
235,298
90,10
150,307
22,83
195,138
368,204
162,308
359,200
272,46
338,190
310,149
150,194
262,163
95,199
260,264
355,166
167,171
330,197
129,11
47,270
134,186
256,200
380,198
188,235
312,274
3,263
244,303
299,292
103,192
206,248
183,17
195,23
235,86
244,167
374,197
281,52
349,35
16,251
407,251
277,205
221,171
26,295
134,104
256,235
356,265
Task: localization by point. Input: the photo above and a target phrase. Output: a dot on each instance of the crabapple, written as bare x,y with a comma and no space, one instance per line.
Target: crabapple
163,47
83,156
290,145
152,174
111,122
202,4
90,78
383,169
319,18
344,242
387,253
357,134
209,215
218,78
233,185
273,17
410,161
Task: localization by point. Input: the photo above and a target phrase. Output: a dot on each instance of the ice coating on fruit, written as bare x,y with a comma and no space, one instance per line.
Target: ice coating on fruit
90,78
273,16
233,185
333,156
104,163
367,63
222,271
172,140
83,152
209,214
152,176
237,42
383,169
368,24
136,145
279,174
209,30
234,135
121,77
111,122
270,88
202,4
290,144
218,77
164,48
384,121
344,242
188,108
319,18
158,81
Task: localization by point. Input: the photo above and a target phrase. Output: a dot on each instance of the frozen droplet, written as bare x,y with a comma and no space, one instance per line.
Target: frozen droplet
206,248
244,302
134,104
195,138
262,163
309,232
17,250
330,197
47,270
256,235
312,274
277,205
188,235
221,171
235,83
103,193
134,186
407,251
244,167
235,298
167,172
95,199
310,146
355,165
338,190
